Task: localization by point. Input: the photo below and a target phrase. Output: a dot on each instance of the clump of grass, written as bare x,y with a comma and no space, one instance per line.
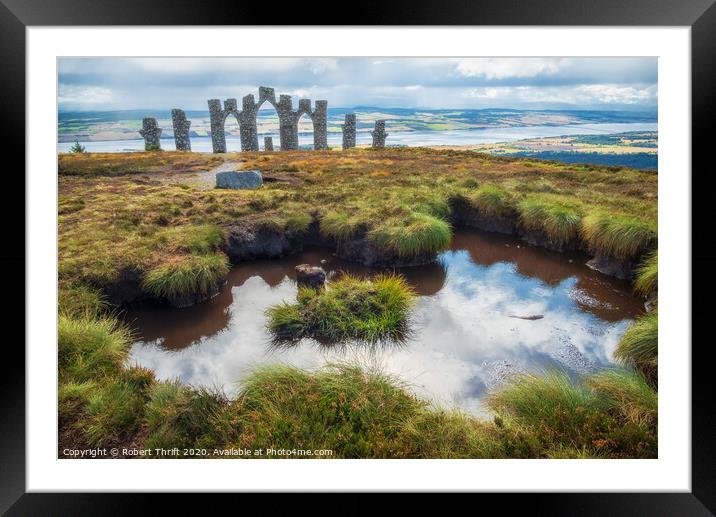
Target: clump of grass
199,238
90,347
622,237
639,346
347,309
418,234
647,274
560,221
628,395
339,225
343,408
80,300
180,416
551,402
186,275
610,413
115,412
470,183
493,201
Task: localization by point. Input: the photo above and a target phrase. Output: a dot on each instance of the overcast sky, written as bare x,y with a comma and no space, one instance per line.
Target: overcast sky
530,83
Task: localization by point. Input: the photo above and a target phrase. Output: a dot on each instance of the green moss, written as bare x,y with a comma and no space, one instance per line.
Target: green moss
347,309
187,275
418,234
618,236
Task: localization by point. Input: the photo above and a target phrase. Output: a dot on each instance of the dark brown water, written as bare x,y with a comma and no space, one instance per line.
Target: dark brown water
476,321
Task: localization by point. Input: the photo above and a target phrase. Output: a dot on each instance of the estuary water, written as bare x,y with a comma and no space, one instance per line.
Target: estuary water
396,138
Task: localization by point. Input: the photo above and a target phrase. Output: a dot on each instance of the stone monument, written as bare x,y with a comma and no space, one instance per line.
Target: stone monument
379,134
151,133
181,130
349,131
287,118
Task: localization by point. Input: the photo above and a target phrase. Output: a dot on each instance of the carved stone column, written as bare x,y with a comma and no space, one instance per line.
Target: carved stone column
349,131
151,133
181,130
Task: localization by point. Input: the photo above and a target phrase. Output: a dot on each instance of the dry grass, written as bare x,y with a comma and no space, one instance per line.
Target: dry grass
115,212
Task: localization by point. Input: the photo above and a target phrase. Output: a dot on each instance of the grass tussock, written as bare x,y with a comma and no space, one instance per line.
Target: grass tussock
639,346
609,413
339,225
558,220
349,308
622,237
420,234
493,201
90,347
647,275
189,275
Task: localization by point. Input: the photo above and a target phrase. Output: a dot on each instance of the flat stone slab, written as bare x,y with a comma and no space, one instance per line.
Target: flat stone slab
238,180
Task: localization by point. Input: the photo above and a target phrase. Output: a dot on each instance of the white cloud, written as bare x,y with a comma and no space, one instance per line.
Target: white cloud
503,68
73,94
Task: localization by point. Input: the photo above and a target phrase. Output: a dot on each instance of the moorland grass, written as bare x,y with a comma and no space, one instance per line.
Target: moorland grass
416,235
188,274
112,219
647,275
639,346
610,412
560,221
352,411
493,201
623,237
353,309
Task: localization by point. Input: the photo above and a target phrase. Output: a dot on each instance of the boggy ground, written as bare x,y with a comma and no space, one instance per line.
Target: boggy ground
134,226
135,230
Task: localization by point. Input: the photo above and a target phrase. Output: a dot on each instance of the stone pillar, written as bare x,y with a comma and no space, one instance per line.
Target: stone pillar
217,118
151,133
320,126
268,143
247,122
379,134
349,131
288,123
181,130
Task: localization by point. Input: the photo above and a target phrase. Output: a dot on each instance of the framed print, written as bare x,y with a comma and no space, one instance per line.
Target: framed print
423,250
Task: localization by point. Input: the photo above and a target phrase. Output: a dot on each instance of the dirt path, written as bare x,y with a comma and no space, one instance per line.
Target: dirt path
204,180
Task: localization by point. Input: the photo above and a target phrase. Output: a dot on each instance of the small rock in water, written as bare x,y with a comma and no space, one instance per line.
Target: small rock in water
533,317
238,180
310,276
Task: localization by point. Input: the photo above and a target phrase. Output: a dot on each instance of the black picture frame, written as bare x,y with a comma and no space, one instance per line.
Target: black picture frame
700,15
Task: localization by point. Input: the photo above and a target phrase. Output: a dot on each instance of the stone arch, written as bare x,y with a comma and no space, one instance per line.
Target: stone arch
287,118
304,109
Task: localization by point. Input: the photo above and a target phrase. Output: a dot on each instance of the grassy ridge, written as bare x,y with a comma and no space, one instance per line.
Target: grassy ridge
354,412
347,309
120,220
